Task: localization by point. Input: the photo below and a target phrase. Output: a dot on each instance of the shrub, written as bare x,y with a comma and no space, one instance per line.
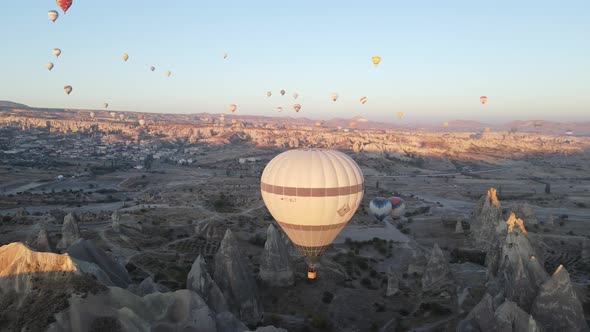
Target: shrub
327,297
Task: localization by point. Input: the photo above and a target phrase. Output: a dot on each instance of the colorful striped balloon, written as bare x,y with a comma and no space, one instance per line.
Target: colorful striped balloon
398,206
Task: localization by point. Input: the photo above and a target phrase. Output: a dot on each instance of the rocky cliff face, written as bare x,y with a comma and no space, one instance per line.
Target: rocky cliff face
236,281
437,276
275,268
200,281
487,224
557,306
85,250
70,231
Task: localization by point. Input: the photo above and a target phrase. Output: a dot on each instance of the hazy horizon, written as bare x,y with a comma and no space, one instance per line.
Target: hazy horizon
531,59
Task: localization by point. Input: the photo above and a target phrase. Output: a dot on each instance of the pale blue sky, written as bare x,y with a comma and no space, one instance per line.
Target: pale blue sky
531,58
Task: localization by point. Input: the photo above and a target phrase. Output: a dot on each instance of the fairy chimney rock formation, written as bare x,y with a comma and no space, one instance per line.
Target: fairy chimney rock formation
275,268
70,231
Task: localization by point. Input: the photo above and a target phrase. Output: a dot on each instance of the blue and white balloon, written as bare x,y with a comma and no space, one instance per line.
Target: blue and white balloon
398,206
380,207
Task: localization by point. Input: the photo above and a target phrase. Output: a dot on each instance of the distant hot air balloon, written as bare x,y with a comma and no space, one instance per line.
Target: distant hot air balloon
352,125
376,59
122,117
380,207
233,108
234,121
68,89
319,123
282,92
106,105
312,207
398,207
295,95
49,65
92,115
400,115
334,96
152,68
363,100
168,73
113,115
297,107
64,4
268,94
53,15
141,122
225,55
125,56
483,99
56,52
279,109
445,124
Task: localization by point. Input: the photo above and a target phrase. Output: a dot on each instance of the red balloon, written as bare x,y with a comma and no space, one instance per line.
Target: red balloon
64,4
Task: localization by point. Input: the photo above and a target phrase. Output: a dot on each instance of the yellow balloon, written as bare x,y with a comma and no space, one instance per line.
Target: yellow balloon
125,56
400,115
168,73
376,59
312,207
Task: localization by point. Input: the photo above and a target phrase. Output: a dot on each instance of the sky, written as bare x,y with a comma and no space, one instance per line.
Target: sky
530,58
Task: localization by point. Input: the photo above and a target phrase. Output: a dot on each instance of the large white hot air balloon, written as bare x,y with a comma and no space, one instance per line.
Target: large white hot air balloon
313,206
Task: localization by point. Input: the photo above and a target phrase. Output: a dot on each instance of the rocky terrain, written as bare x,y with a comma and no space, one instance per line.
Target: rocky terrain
161,227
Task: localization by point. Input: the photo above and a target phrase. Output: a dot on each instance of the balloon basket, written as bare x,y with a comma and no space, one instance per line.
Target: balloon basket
311,273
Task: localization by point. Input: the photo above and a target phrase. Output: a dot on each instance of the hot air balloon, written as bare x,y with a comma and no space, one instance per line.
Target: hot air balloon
92,115
295,95
68,89
233,108
334,96
106,105
168,73
64,4
380,207
56,52
49,65
483,99
234,121
398,206
313,206
376,59
445,124
352,125
400,115
122,117
363,100
279,109
53,15
268,94
125,56
225,55
282,92
141,122
319,123
297,107
113,115
152,68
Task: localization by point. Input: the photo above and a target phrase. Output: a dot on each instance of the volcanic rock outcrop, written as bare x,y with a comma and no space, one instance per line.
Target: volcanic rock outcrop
200,281
236,281
70,231
147,286
227,322
557,307
488,222
42,242
511,318
275,268
437,276
116,221
85,250
520,273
